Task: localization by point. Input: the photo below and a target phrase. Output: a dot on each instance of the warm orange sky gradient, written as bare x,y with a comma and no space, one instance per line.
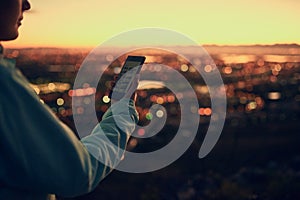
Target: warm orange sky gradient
88,23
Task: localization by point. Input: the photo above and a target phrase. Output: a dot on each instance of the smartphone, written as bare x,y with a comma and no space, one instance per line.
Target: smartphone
131,67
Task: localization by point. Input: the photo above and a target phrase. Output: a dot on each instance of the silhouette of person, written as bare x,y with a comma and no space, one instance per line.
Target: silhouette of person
40,156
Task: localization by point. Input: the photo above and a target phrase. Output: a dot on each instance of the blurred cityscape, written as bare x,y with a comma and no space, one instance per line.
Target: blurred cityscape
257,156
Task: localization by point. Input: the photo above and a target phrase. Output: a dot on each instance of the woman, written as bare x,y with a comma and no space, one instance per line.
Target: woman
39,155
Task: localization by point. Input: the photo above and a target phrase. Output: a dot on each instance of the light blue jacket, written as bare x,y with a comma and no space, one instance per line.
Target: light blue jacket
41,156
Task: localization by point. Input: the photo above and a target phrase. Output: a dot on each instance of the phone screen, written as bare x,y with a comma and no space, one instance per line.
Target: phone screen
131,67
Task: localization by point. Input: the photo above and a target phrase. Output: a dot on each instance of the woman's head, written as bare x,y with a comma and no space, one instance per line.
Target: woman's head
11,15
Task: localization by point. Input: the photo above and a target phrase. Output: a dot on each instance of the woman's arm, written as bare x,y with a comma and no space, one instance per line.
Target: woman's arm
40,154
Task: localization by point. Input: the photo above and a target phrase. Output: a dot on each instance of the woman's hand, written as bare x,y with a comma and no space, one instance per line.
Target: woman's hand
131,92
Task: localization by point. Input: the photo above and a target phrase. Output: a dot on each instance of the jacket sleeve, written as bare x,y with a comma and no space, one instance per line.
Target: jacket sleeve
39,153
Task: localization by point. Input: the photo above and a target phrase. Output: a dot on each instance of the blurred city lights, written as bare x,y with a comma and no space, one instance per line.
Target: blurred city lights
159,113
274,95
205,111
184,68
227,70
106,99
243,100
277,67
132,142
87,100
192,69
51,86
171,98
141,132
82,92
160,100
252,82
208,68
36,89
117,70
60,101
251,106
260,62
61,110
149,116
80,110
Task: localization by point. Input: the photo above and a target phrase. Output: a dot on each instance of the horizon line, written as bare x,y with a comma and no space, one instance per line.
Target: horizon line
9,46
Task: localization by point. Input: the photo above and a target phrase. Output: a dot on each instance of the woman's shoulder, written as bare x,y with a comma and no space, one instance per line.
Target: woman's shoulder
11,77
7,66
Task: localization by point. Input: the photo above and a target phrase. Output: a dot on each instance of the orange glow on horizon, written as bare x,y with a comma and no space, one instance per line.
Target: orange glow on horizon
89,23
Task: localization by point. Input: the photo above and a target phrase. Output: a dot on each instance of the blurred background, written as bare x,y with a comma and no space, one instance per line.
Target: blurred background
254,45
257,155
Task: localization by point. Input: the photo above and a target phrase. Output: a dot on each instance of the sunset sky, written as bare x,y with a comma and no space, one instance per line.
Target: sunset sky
87,23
